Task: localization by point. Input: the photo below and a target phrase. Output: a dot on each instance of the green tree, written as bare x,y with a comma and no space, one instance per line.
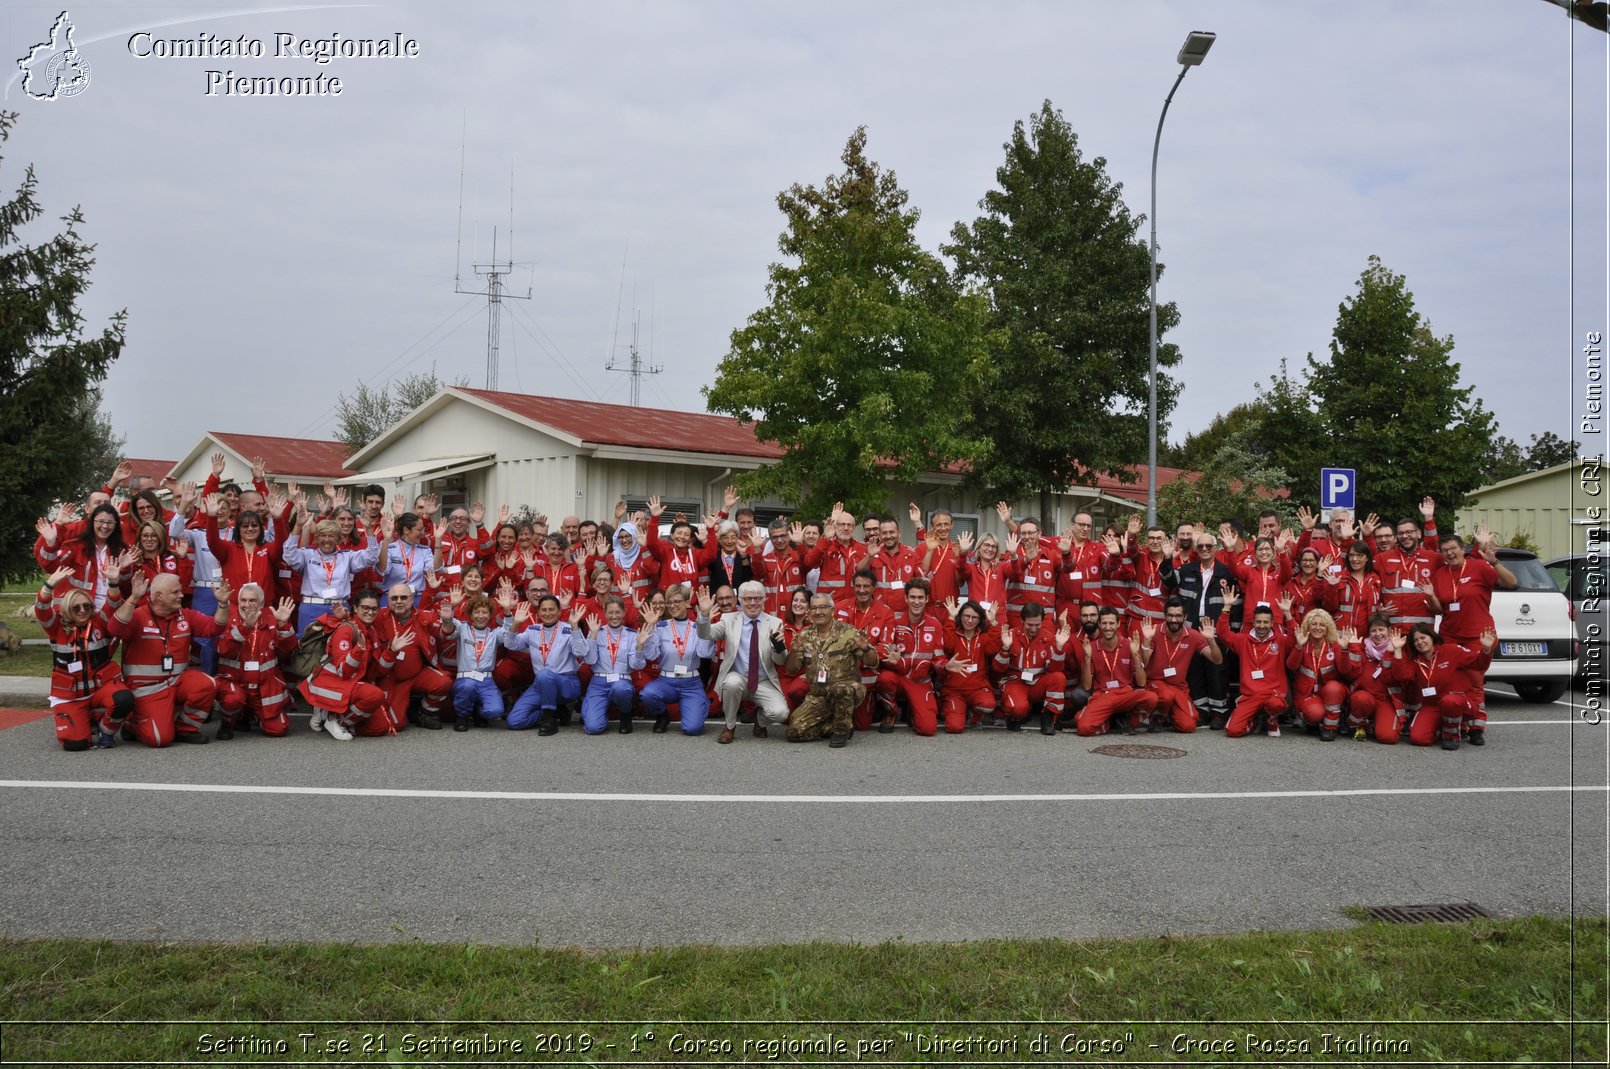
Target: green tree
1068,279
57,445
862,364
1200,447
372,410
1238,481
1390,405
1549,450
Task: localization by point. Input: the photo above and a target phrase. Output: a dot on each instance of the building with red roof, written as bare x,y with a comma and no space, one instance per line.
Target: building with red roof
563,456
300,460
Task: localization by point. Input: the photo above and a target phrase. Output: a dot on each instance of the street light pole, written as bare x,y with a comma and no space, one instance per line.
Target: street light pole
1195,48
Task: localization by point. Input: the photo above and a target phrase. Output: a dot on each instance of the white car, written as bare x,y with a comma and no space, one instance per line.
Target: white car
1536,623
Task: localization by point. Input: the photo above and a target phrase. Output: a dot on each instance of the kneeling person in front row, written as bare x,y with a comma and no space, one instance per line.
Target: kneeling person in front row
613,654
829,656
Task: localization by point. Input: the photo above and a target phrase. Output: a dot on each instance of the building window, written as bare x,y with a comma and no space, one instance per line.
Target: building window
691,507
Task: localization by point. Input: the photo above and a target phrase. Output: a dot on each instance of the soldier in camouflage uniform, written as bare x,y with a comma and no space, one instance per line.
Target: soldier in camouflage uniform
829,655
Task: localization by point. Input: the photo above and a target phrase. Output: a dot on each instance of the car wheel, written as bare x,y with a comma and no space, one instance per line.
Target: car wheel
1541,693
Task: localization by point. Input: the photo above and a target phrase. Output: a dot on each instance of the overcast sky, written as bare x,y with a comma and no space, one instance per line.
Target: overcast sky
274,251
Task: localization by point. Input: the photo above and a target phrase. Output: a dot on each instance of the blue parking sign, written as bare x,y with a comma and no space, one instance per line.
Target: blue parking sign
1337,487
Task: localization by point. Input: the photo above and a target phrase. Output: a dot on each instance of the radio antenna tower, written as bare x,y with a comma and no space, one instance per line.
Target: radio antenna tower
635,368
494,273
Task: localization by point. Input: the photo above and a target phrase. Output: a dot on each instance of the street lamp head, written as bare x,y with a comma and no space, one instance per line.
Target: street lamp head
1195,48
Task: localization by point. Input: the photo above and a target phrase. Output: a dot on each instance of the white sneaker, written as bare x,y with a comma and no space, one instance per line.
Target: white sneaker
316,722
1274,729
337,729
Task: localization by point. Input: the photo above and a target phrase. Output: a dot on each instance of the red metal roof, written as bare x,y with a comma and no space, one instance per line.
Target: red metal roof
291,456
152,469
639,428
654,428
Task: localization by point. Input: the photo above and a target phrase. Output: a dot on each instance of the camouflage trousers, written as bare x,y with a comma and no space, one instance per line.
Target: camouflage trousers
826,710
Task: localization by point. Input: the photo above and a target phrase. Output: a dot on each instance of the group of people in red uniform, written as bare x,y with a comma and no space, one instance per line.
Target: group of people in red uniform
163,615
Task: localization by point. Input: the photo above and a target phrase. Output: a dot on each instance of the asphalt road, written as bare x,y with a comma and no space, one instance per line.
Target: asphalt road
660,839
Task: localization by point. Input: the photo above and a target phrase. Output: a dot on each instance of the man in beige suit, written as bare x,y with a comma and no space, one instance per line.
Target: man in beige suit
752,648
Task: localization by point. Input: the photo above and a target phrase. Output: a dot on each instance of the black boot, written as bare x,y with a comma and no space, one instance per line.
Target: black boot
661,723
549,723
428,721
1048,724
625,725
226,730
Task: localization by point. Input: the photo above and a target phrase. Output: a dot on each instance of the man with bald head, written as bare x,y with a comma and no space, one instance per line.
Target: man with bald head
410,674
156,635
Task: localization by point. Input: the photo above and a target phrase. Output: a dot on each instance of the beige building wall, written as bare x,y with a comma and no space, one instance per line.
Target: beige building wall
1543,505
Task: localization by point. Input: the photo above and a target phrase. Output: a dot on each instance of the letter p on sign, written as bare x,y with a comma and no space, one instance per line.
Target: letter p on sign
1337,487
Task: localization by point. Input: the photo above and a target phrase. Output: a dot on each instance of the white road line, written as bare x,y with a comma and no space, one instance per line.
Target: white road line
1529,723
813,799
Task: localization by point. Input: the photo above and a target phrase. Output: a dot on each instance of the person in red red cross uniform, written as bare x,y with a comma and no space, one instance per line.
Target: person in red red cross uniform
1261,652
1114,674
1032,667
249,652
914,655
1173,646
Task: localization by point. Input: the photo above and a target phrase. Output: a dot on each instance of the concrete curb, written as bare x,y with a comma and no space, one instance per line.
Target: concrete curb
24,692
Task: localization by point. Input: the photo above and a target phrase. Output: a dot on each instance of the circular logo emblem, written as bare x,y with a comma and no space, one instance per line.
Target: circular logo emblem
1526,610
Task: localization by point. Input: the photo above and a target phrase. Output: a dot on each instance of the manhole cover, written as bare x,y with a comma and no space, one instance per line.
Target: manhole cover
1143,752
1446,912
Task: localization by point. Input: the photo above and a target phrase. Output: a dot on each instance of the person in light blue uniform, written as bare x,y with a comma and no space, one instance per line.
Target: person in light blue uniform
675,645
475,692
408,559
614,654
557,649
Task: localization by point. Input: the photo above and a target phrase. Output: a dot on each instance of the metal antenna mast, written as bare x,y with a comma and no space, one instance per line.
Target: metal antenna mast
494,292
635,368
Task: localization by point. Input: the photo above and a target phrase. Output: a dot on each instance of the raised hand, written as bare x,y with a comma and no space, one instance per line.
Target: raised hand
729,498
757,539
1484,535
505,597
1012,543
1065,543
1112,544
1399,641
429,504
1148,631
1004,511
930,540
650,615
218,464
59,574
124,562
707,604
47,531
1371,522
121,473
964,541
655,506
503,515
342,497
1208,630
522,614
259,470
399,505
276,499
212,504
1489,639
329,492
565,598
1428,508
455,595
578,614
1231,596
951,605
1006,636
620,510
1307,517
796,533
284,611
404,639
712,519
477,513
138,585
915,513
1132,528
1347,636
1064,633
1168,548
225,592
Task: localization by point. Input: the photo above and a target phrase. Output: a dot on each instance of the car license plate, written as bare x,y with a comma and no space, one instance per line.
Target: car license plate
1523,649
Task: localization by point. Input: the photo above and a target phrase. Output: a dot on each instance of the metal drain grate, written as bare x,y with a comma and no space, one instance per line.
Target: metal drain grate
1443,912
1138,750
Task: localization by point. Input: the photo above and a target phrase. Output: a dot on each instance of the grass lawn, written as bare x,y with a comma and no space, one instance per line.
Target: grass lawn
1488,991
16,609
